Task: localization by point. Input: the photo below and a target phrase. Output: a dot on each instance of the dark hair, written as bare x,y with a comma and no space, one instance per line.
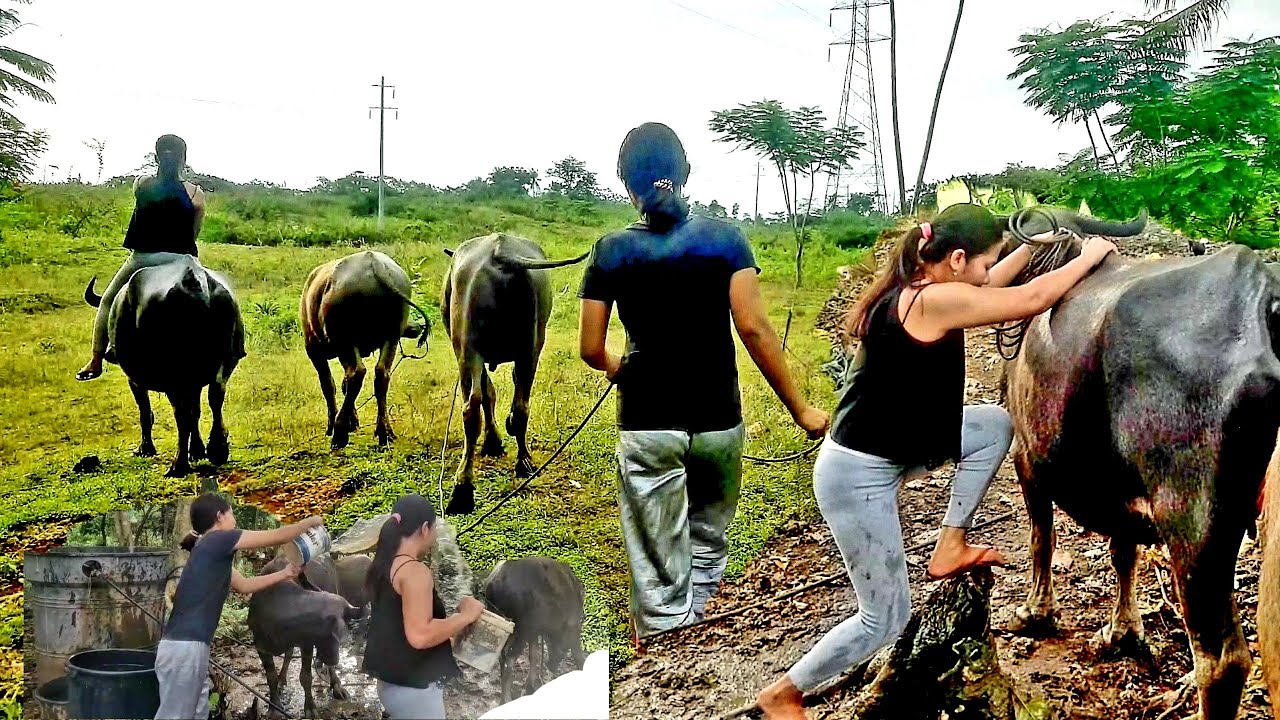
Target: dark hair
963,226
171,154
409,514
653,166
204,513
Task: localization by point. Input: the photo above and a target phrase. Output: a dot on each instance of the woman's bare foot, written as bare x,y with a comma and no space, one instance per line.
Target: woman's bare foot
91,370
953,556
782,701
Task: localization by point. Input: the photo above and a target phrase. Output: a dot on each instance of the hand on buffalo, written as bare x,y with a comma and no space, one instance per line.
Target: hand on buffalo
471,609
291,571
1096,248
813,421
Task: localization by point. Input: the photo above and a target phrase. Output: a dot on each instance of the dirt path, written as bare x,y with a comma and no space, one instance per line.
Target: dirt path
705,671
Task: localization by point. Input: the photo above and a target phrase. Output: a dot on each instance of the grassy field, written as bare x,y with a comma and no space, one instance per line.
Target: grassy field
275,412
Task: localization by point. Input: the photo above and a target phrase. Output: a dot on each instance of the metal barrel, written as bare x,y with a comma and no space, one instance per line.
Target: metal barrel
71,613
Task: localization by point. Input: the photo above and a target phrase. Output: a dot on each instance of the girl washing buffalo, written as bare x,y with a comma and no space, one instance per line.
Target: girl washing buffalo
165,223
903,411
182,658
678,281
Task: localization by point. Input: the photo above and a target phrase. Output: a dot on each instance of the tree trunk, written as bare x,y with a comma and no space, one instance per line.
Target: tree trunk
1097,161
178,556
937,99
1115,161
945,661
893,100
123,525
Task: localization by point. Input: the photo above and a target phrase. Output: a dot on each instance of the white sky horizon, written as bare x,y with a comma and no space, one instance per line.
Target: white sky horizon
280,91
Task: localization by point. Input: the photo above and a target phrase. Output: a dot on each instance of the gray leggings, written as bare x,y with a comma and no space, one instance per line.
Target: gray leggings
182,669
135,262
858,496
678,493
412,703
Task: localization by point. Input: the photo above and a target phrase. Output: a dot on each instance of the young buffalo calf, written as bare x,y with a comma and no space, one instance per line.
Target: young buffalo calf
544,599
286,616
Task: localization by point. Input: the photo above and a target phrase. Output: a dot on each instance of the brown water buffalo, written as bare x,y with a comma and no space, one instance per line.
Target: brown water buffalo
1146,405
175,329
288,615
350,308
497,300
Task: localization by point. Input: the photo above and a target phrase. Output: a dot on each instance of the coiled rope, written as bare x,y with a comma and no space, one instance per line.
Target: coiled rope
1047,255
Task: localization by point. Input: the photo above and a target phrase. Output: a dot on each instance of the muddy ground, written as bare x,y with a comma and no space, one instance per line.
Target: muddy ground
705,671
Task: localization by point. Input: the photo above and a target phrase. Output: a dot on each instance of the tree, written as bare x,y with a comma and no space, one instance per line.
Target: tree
1195,23
99,148
19,147
571,178
508,181
798,145
893,100
937,98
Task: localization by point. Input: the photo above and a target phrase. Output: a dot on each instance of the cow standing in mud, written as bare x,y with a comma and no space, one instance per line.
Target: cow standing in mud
352,307
497,301
175,329
1146,405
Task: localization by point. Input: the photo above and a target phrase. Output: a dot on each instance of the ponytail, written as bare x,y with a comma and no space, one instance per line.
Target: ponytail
189,541
662,206
410,513
653,166
204,514
902,266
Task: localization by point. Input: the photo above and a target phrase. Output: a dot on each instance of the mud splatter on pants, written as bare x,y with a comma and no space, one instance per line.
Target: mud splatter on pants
677,493
858,496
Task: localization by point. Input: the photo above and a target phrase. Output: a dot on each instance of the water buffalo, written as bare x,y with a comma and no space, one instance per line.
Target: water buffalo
351,307
544,598
497,300
287,616
175,329
1146,405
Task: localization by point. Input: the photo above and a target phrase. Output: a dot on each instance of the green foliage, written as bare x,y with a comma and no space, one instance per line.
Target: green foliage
571,178
1068,74
849,230
19,148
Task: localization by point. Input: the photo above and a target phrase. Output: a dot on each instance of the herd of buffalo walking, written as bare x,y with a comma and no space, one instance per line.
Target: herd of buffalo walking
1145,404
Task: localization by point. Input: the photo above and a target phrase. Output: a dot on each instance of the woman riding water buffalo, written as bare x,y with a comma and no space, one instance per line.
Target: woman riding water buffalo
678,280
903,411
166,220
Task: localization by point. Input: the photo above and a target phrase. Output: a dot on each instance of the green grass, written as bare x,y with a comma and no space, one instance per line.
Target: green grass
275,412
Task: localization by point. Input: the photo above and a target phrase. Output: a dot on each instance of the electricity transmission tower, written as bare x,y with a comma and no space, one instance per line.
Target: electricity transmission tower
382,135
858,109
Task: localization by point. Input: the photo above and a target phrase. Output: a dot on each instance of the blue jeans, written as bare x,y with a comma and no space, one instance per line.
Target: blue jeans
858,496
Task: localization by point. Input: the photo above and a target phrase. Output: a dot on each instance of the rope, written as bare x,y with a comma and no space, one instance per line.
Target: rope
97,573
399,360
544,465
786,458
444,446
1047,256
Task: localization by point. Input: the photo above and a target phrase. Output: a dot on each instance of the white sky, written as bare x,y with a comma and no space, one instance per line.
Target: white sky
280,89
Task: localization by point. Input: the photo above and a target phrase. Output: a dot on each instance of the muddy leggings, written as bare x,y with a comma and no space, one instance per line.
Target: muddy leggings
858,496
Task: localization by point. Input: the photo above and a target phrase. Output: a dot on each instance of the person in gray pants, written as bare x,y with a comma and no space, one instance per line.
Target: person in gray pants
679,283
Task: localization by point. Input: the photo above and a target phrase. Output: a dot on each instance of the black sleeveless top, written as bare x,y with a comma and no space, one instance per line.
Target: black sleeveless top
890,405
163,219
389,657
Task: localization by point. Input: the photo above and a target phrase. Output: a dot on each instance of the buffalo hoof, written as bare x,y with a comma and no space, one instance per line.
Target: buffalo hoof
146,449
1121,642
340,440
1029,624
492,447
524,467
179,468
219,451
462,501
197,450
340,693
385,435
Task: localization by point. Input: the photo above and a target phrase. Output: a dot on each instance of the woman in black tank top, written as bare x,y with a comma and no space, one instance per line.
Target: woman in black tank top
902,411
408,650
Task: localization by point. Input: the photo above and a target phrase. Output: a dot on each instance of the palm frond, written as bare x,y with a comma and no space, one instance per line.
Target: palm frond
31,66
11,83
1195,23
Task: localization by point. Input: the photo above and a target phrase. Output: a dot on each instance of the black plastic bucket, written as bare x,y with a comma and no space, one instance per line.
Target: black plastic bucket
113,684
52,697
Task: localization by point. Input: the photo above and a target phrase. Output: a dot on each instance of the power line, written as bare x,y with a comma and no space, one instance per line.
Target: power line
734,28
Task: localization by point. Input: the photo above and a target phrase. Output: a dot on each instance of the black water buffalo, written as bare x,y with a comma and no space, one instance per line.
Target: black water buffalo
497,300
175,329
350,308
288,615
544,598
1146,405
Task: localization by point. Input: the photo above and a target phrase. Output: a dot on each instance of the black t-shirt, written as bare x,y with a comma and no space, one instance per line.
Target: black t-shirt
672,293
203,587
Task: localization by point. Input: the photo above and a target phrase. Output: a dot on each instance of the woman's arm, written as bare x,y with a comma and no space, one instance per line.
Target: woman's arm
956,305
249,586
766,351
252,539
420,628
1007,269
197,200
593,329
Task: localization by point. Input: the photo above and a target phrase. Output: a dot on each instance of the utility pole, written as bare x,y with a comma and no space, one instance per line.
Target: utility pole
382,135
756,217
